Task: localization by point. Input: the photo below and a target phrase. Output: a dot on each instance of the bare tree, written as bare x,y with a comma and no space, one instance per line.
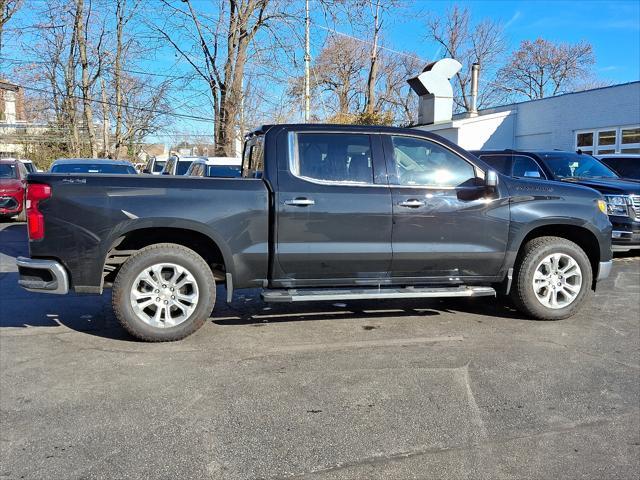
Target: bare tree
481,43
541,68
88,78
7,9
223,45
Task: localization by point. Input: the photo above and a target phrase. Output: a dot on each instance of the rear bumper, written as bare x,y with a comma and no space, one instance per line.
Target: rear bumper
45,276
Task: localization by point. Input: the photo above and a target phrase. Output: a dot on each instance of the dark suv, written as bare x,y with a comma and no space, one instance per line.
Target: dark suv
622,196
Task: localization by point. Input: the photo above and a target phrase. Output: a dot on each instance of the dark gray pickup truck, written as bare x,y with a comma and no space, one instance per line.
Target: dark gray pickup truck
322,212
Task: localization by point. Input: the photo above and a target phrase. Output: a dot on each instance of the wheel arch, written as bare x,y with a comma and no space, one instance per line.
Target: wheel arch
576,233
204,242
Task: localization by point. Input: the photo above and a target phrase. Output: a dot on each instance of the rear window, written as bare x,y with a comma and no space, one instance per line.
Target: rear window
7,170
183,166
105,168
224,171
158,166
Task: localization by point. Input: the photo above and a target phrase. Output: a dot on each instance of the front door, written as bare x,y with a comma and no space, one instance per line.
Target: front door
445,225
333,210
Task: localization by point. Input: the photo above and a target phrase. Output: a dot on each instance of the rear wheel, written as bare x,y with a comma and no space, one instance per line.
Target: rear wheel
552,278
164,292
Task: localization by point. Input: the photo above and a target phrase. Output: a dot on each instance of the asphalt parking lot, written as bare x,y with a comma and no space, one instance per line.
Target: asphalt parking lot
421,389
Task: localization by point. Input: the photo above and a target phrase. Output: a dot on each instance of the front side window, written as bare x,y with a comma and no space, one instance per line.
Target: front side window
423,163
526,167
340,157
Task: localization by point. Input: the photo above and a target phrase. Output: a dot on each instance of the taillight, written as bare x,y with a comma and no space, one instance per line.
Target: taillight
36,192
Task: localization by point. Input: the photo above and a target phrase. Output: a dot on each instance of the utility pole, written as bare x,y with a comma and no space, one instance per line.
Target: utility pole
307,62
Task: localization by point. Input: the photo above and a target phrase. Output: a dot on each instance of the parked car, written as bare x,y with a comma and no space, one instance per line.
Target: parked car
29,165
177,165
13,180
92,165
221,167
322,212
622,196
627,165
154,166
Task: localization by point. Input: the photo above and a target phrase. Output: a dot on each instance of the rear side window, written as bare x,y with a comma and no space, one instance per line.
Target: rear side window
500,163
343,158
526,167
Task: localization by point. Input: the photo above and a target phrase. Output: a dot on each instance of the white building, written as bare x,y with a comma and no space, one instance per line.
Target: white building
602,120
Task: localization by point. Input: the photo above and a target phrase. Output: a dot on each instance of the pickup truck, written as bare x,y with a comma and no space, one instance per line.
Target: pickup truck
321,212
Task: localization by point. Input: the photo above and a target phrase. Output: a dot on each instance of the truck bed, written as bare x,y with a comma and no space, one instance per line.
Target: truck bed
87,214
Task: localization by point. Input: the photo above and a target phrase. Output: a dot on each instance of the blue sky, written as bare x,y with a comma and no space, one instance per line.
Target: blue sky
612,27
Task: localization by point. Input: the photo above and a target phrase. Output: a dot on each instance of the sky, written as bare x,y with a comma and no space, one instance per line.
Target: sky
612,28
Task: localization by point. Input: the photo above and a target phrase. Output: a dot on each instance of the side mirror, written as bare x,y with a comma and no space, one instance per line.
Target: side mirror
491,179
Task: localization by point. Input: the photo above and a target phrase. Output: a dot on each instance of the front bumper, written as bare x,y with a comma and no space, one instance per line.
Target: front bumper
45,276
10,204
625,234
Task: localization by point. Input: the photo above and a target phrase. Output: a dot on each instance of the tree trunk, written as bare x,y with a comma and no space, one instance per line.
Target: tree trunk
117,73
86,84
69,103
373,69
105,120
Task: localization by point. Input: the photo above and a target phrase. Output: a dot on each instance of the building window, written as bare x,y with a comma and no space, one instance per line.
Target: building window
609,140
584,142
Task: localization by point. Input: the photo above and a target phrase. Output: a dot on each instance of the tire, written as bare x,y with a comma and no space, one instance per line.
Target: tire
537,260
136,300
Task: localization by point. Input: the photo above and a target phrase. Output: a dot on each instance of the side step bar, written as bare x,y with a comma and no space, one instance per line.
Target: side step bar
310,295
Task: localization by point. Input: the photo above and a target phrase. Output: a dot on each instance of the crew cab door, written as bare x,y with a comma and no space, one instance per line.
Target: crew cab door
446,226
333,210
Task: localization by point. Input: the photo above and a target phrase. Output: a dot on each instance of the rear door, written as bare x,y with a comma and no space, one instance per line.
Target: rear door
333,208
446,225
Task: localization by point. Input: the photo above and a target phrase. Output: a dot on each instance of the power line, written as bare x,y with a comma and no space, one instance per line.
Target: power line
142,109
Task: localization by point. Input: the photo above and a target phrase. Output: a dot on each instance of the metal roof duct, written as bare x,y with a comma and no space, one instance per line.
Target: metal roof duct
433,86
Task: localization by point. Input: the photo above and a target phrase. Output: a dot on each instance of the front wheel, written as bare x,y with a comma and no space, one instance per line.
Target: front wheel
164,292
552,278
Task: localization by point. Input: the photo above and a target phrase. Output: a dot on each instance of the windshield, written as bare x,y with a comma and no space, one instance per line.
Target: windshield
158,166
183,166
108,168
7,170
224,171
574,165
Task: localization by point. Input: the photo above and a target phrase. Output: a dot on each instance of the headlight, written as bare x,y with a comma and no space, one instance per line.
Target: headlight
618,205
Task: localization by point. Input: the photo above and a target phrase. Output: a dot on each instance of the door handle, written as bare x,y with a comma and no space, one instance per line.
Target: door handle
412,203
300,202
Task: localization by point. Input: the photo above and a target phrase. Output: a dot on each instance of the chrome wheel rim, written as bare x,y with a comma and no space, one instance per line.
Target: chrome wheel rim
557,280
164,295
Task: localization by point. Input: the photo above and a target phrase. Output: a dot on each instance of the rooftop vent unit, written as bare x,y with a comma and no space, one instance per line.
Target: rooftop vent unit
433,86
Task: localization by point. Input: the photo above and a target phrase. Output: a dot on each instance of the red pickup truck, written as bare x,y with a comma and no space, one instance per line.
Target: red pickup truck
13,181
